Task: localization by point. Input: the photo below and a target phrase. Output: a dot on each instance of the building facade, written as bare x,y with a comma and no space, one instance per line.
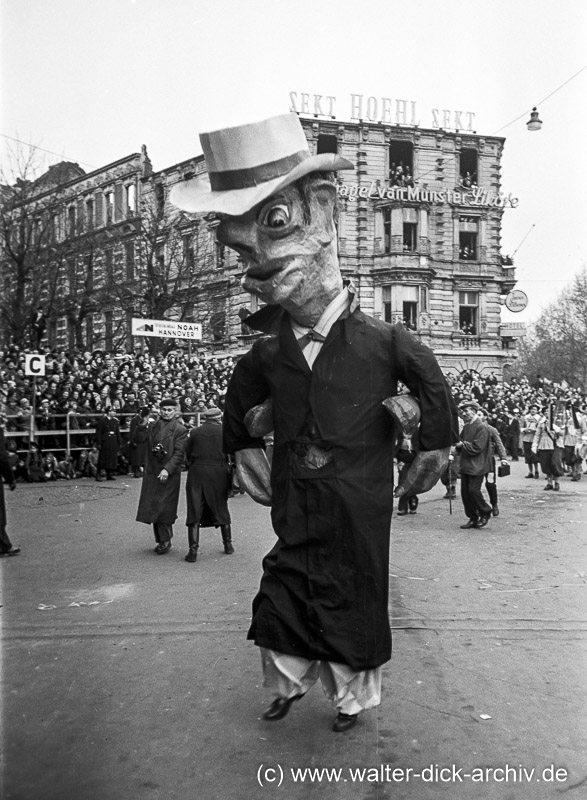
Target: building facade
419,237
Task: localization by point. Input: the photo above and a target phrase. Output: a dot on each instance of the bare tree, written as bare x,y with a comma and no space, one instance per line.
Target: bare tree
557,345
174,258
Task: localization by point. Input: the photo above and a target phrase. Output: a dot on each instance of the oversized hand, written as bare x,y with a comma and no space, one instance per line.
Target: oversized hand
424,472
254,474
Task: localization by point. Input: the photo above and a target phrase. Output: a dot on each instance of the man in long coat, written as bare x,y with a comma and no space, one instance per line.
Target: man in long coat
476,462
322,608
207,484
162,478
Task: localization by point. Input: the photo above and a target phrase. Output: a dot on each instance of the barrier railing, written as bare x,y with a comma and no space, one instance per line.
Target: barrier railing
63,439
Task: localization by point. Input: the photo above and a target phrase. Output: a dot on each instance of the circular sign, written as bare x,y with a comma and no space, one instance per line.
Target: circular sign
516,300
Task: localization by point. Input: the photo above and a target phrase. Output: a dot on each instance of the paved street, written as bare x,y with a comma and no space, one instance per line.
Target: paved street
127,675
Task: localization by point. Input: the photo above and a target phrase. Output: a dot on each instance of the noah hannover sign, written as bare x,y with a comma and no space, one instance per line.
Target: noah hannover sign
166,328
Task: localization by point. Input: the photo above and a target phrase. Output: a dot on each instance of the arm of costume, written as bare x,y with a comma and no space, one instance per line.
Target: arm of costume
247,388
419,370
175,462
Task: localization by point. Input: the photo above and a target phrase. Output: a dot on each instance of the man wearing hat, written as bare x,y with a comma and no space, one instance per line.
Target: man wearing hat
475,451
317,380
207,484
166,440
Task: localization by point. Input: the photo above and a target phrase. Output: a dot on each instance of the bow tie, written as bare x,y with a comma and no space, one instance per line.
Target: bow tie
312,335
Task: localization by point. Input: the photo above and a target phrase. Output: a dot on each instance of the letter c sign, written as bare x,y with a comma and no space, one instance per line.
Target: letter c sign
34,364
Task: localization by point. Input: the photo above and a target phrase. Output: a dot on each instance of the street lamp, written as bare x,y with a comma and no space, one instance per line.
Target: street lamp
534,123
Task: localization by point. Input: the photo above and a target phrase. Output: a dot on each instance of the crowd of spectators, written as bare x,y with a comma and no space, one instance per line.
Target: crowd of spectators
78,388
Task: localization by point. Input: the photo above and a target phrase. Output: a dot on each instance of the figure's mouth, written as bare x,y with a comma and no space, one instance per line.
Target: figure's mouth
264,272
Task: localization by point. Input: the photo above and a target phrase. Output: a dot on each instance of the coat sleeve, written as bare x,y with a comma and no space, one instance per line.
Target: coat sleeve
479,442
175,462
247,388
499,445
419,370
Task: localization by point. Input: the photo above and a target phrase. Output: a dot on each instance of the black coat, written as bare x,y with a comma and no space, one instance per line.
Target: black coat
137,442
324,591
5,475
158,501
109,441
208,478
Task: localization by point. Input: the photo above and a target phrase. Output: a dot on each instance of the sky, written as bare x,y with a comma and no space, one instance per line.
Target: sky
91,81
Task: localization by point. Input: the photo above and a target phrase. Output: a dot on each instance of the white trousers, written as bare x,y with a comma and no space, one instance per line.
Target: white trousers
350,691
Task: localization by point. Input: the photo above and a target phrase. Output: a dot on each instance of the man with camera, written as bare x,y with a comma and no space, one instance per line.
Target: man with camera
166,442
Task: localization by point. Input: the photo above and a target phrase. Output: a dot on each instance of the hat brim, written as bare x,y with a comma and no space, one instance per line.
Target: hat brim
196,196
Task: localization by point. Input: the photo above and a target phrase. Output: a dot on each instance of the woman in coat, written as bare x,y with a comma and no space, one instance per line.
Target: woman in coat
166,440
208,483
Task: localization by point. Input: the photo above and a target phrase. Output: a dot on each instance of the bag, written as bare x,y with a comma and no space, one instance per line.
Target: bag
503,470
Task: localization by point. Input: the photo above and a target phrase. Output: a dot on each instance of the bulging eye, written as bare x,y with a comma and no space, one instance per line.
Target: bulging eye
275,217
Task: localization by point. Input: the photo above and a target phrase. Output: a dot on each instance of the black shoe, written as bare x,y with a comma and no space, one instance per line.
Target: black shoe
14,551
472,523
110,478
344,722
401,513
192,556
280,707
495,511
548,487
530,475
413,503
162,548
482,522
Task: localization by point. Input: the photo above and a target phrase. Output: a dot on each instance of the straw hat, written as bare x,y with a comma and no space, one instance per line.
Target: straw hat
248,163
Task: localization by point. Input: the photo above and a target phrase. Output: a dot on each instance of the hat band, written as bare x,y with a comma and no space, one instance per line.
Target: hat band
246,178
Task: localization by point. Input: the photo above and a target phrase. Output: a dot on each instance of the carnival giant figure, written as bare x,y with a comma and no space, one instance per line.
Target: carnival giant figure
317,380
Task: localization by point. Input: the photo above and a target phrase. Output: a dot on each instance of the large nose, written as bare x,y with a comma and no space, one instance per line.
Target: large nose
238,234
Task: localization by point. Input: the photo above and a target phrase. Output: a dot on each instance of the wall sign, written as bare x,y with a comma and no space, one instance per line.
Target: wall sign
517,300
467,197
167,328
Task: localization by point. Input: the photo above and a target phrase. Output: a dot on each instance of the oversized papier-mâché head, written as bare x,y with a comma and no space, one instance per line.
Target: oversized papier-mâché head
276,204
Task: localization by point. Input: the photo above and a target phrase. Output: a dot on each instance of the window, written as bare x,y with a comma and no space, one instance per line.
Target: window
90,213
160,197
220,255
387,230
71,220
468,238
131,198
402,303
188,251
109,206
327,143
468,168
468,311
218,325
410,315
129,253
386,303
401,163
108,267
410,230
